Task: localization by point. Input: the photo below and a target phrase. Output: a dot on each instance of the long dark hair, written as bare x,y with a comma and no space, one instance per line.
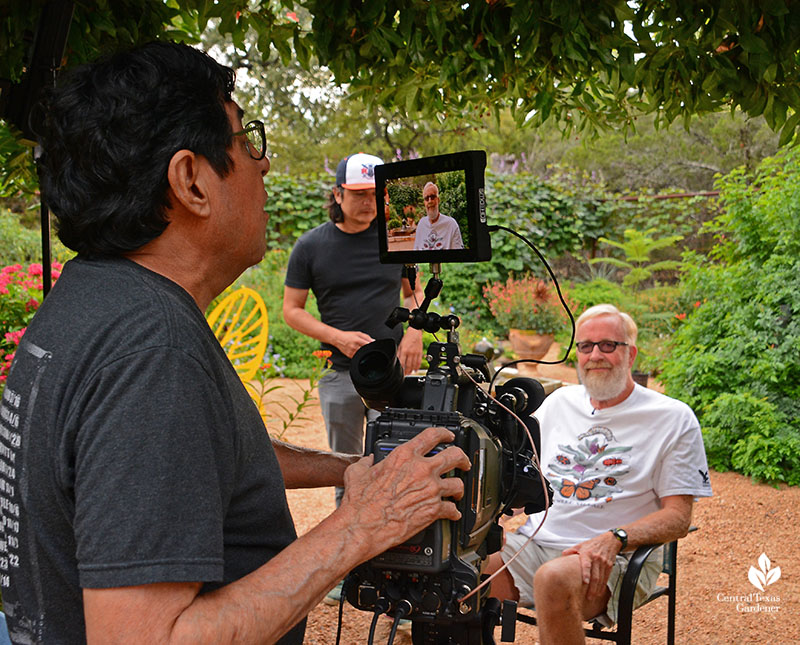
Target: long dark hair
335,211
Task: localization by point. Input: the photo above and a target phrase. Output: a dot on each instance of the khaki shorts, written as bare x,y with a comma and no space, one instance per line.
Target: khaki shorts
533,556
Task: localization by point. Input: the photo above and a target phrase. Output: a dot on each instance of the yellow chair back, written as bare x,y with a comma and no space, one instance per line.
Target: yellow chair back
241,325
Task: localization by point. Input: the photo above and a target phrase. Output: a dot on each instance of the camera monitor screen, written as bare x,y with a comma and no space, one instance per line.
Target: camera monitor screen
434,209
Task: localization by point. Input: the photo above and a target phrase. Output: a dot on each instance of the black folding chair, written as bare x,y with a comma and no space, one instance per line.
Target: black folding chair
621,632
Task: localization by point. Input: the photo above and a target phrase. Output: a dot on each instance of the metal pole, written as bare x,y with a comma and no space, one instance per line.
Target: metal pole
47,267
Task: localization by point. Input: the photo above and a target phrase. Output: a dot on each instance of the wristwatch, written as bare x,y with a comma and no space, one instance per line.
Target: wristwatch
622,536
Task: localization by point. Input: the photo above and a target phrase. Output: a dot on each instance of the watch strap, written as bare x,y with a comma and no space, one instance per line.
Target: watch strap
621,535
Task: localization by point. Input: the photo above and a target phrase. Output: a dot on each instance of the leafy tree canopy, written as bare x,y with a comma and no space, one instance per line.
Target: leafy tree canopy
584,63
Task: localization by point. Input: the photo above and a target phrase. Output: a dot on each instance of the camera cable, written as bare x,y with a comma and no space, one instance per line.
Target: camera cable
497,227
537,464
341,610
403,609
381,606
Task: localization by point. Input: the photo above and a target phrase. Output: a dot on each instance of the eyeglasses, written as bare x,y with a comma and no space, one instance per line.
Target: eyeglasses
429,197
606,346
255,139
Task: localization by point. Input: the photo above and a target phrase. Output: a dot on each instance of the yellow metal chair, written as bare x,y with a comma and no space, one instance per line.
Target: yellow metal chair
241,325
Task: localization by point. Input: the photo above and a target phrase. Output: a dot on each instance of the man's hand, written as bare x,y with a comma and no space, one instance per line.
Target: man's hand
597,557
409,352
396,498
349,342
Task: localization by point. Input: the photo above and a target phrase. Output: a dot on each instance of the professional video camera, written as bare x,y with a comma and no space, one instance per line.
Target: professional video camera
430,578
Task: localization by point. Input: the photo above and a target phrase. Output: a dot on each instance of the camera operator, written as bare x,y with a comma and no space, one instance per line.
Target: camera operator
355,293
143,500
625,463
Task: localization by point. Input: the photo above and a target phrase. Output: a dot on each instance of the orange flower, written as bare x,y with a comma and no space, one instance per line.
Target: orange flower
322,353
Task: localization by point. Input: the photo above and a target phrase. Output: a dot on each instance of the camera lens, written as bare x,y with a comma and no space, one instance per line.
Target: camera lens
376,372
373,367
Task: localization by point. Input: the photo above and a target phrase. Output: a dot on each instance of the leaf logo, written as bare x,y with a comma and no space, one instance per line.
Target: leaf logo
766,576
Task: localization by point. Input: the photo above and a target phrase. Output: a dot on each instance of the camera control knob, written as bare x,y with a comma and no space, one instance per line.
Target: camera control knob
431,601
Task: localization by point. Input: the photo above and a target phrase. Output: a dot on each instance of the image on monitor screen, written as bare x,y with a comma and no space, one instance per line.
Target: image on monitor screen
427,212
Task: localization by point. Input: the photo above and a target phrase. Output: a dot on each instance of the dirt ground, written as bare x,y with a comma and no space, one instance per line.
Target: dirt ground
717,604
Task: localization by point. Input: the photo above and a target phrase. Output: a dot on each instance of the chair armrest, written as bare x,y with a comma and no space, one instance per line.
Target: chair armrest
631,578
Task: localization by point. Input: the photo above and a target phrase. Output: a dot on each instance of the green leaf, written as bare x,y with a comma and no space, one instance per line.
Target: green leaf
789,129
752,43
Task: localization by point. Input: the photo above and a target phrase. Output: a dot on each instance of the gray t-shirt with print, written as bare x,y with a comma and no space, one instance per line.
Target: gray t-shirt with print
130,453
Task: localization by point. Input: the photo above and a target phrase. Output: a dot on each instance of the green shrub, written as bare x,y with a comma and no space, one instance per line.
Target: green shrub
735,355
595,292
295,205
22,245
406,198
453,199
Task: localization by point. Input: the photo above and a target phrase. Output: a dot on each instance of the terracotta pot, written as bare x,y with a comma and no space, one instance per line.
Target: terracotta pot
527,343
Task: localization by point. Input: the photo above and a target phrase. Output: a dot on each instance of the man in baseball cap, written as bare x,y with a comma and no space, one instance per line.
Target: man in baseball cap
355,293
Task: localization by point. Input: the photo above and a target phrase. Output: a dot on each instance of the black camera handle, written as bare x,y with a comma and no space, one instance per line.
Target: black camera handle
420,318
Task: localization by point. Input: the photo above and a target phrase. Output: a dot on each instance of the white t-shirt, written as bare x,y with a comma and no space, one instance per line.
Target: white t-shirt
444,234
610,467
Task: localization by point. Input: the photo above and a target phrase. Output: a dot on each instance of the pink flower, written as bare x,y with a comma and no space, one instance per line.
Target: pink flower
14,336
35,269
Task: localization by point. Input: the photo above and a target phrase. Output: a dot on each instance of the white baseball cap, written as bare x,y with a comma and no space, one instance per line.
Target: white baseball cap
357,172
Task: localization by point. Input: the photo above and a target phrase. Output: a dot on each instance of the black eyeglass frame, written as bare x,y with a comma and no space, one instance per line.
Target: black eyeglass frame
251,126
587,346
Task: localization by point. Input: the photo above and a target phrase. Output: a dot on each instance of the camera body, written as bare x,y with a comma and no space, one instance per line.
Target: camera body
435,569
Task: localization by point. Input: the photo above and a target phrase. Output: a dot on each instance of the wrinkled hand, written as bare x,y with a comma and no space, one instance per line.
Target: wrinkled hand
409,352
399,496
349,342
597,557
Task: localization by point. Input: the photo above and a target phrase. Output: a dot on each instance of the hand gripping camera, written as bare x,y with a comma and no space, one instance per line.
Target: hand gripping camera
428,576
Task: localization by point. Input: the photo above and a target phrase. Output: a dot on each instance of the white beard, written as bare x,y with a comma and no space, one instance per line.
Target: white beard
603,386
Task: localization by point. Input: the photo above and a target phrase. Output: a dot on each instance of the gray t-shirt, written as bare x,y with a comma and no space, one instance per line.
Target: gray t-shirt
354,291
130,453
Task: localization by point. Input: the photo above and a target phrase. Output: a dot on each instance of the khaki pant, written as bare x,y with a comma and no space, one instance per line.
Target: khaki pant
525,565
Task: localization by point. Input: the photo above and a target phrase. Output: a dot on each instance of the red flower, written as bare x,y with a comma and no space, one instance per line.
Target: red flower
680,316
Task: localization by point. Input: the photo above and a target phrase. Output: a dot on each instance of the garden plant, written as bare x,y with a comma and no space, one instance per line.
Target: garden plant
734,356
